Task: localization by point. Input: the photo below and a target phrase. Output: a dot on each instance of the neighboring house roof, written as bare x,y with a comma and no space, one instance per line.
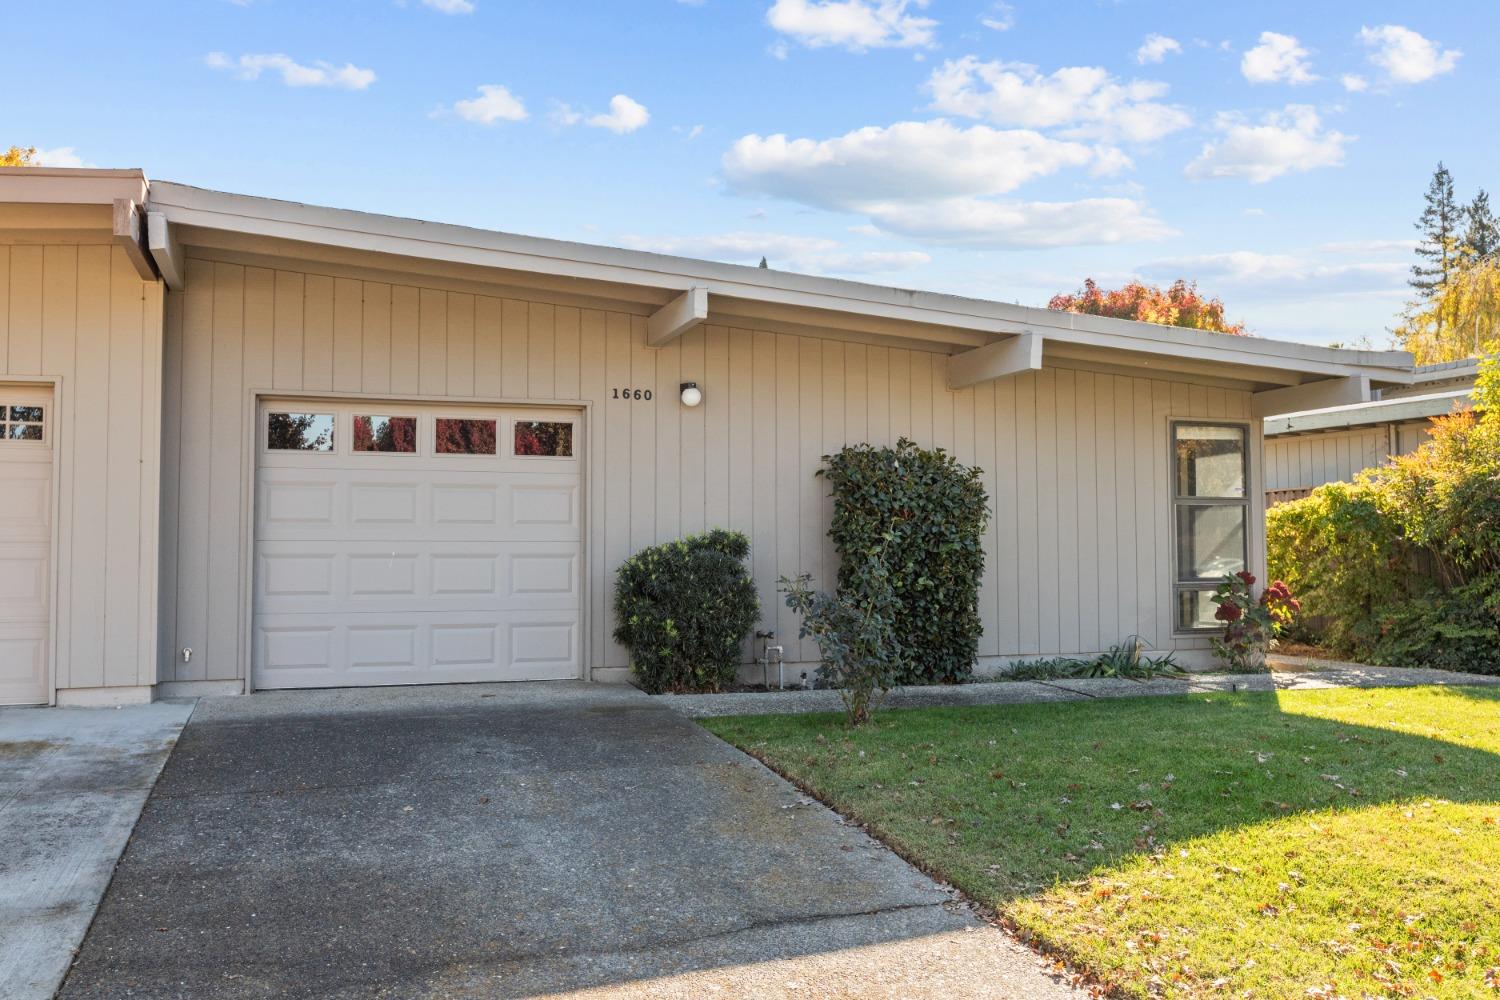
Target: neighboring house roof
1436,390
985,338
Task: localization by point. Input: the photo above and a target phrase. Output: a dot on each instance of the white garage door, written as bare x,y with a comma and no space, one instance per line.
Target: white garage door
411,544
25,542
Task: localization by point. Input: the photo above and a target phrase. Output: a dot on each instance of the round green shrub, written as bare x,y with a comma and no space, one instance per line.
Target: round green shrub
919,514
684,608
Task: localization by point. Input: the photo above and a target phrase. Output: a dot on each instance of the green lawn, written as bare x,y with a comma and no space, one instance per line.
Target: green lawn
1339,843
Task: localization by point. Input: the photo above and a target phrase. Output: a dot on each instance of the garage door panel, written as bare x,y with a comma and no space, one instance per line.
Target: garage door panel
23,664
24,583
27,432
416,568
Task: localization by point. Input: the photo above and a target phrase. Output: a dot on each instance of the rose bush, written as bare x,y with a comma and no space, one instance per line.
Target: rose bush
1251,624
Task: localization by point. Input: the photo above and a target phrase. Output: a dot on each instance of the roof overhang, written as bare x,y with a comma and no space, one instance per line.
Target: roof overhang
680,293
1402,409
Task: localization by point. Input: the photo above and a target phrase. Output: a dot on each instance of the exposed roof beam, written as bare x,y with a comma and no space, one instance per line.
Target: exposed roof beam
130,235
1403,409
1020,353
677,317
165,250
1311,396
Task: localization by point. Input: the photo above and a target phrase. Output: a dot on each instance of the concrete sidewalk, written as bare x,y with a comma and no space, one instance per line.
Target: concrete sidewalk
1288,674
72,782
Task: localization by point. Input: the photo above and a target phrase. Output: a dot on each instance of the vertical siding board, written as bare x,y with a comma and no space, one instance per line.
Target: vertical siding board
900,394
63,273
1105,508
260,323
787,495
566,376
1029,551
406,343
984,457
82,655
644,431
591,383
920,373
5,280
375,349
669,458
834,437
856,393
878,379
1070,629
59,318
718,445
432,342
317,333
1085,464
348,335
1007,519
26,282
148,524
225,442
765,423
942,403
515,338
287,338
810,487
1048,499
193,492
1161,521
1148,498
692,429
489,360
460,353
541,351
1127,457
122,512
614,420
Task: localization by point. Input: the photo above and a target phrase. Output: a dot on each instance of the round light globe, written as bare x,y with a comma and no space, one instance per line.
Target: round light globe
691,394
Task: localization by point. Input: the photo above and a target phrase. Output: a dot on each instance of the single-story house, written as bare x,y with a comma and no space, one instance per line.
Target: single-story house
252,444
1308,448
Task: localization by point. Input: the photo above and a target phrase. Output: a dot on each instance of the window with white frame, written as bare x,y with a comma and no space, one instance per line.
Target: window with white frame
1210,514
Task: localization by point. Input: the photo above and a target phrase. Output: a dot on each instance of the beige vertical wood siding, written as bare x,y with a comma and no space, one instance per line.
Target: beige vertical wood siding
1075,461
1303,461
81,314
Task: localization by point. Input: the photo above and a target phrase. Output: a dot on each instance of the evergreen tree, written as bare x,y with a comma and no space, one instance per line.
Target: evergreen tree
1482,236
1438,247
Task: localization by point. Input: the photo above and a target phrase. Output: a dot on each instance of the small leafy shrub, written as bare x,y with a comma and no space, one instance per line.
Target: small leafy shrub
1251,624
684,608
917,517
1123,659
855,629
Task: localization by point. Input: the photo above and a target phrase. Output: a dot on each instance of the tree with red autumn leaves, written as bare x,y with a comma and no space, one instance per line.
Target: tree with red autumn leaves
1179,305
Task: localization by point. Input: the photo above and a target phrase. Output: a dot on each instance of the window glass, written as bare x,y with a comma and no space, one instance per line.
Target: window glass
459,436
392,434
1210,541
1195,609
299,431
1210,461
540,437
20,423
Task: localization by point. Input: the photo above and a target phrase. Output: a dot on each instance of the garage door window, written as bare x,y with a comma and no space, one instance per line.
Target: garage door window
462,436
21,423
299,431
1211,509
544,438
393,435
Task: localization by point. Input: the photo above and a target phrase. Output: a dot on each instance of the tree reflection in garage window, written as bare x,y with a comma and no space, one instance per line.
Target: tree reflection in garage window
299,431
390,434
538,437
458,436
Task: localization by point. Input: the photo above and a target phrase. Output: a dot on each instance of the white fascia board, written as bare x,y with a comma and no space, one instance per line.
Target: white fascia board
1385,411
671,276
68,186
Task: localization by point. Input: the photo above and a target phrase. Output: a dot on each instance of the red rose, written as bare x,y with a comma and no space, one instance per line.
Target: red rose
1247,577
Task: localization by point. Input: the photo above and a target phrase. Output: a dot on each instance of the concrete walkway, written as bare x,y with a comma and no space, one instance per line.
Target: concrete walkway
72,782
508,841
1288,674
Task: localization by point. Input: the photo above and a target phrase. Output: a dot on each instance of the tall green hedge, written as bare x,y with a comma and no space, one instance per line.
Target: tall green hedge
922,515
683,608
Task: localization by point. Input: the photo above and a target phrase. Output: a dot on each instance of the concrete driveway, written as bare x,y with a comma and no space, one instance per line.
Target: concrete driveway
510,840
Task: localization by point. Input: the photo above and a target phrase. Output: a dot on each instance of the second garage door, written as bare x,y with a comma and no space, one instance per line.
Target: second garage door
412,544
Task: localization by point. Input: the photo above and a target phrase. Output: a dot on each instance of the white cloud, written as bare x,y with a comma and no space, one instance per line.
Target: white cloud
688,132
1405,56
1354,83
61,156
624,115
779,49
451,6
1292,139
1283,274
1277,59
852,24
564,114
1087,99
294,74
808,254
1000,16
1156,48
937,182
495,103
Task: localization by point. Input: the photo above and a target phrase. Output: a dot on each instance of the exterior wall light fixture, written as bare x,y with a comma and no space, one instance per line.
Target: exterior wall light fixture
691,394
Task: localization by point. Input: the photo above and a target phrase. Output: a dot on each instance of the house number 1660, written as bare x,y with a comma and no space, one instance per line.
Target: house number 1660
631,394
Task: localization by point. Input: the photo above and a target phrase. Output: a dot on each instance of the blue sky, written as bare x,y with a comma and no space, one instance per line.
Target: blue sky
1277,152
